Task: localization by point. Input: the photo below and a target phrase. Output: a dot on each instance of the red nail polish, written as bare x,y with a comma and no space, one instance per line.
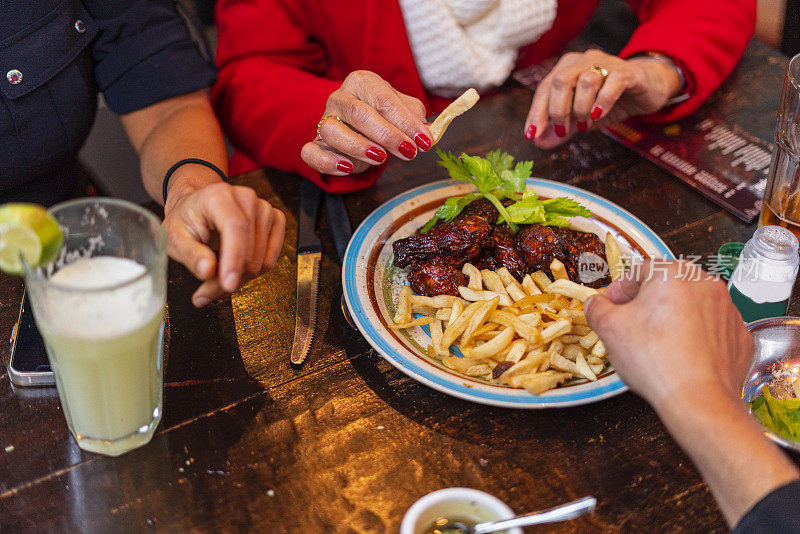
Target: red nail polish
345,166
582,126
561,131
596,113
407,149
427,123
531,133
423,141
376,154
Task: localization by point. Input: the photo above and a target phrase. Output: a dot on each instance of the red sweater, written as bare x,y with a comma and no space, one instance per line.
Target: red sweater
280,59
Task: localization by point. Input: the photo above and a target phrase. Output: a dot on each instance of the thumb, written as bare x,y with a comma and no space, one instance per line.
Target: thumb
600,312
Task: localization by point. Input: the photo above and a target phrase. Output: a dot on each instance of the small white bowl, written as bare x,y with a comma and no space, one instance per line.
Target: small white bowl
458,503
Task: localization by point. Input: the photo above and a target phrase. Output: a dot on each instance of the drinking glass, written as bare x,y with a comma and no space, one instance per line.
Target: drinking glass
100,309
781,205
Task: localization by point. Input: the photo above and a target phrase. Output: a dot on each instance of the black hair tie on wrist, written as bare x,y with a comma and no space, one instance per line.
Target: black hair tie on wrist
184,162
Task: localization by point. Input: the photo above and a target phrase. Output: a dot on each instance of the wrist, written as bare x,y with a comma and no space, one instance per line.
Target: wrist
670,78
188,179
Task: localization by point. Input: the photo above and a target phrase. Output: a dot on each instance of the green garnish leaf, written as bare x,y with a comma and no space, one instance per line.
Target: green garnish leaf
780,416
496,179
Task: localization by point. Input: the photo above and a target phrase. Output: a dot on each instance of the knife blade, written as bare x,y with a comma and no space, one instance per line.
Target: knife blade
309,254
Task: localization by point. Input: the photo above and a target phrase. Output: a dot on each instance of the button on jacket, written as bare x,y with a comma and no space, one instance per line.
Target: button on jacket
54,58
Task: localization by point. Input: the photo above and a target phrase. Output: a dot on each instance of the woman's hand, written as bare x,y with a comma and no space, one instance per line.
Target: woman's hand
573,98
668,336
250,234
375,120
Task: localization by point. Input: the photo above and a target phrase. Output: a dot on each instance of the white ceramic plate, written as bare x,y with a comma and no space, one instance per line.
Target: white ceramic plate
371,283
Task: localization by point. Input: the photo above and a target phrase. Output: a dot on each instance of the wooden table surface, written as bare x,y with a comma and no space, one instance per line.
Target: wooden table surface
346,443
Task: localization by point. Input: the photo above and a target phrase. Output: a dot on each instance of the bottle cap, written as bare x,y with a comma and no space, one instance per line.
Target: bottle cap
773,242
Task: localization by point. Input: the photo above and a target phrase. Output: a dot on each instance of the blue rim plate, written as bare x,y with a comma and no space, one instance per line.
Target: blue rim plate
371,283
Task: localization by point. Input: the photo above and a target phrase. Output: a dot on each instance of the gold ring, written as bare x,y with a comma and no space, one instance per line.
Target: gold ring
599,69
323,119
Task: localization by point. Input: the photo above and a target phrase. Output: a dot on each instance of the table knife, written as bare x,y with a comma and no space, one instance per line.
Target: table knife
309,254
340,223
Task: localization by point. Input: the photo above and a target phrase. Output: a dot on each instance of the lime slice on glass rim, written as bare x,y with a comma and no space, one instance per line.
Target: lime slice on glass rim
27,231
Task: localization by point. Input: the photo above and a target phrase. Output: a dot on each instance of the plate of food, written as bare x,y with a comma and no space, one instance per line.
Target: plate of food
474,286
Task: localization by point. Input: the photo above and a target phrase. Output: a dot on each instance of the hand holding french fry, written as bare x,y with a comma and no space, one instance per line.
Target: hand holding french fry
364,121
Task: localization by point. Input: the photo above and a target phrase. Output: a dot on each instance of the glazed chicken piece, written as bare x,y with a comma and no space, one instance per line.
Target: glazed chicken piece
504,250
460,239
539,245
436,276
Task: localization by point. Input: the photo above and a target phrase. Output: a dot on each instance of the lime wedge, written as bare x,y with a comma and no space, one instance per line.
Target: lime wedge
27,230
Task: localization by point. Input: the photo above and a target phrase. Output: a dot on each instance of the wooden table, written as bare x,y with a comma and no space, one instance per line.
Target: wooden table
346,443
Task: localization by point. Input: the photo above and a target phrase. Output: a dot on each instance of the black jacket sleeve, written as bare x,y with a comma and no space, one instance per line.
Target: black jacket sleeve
777,512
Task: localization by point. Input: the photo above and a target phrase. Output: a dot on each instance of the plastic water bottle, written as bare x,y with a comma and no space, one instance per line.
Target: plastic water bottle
762,282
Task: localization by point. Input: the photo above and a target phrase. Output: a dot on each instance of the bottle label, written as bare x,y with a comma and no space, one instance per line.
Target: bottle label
752,311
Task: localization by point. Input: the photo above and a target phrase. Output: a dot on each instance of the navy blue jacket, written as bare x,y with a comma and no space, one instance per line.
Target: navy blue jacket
54,58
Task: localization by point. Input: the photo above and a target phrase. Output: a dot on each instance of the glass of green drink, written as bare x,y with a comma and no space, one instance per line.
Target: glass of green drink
100,309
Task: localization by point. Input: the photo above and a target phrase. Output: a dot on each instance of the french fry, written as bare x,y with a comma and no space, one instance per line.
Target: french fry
493,282
523,329
597,368
530,286
569,339
474,274
599,349
580,330
576,316
475,296
584,369
494,346
560,363
416,322
614,257
541,382
459,106
558,270
436,337
481,369
516,351
572,351
458,309
403,314
534,319
555,329
541,280
556,346
476,321
589,340
529,364
443,314
458,325
570,289
486,328
515,291
460,364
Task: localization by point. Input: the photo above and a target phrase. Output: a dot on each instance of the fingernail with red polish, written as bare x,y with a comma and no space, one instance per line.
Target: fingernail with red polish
582,126
407,149
561,131
596,113
531,133
427,123
376,154
423,141
345,166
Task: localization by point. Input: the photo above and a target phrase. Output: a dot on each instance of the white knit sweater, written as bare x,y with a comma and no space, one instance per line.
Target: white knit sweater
459,44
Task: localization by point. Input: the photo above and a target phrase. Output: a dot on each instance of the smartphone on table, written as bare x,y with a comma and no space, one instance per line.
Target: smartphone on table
28,365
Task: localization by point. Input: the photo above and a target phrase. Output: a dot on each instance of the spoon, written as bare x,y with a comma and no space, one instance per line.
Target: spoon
551,515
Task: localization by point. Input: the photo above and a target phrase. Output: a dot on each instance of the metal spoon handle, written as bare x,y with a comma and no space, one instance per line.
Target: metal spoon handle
551,515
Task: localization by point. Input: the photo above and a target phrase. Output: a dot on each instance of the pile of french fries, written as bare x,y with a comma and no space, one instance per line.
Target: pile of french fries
530,335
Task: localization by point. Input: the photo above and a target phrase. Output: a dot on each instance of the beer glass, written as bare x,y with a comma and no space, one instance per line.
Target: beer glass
100,309
781,205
